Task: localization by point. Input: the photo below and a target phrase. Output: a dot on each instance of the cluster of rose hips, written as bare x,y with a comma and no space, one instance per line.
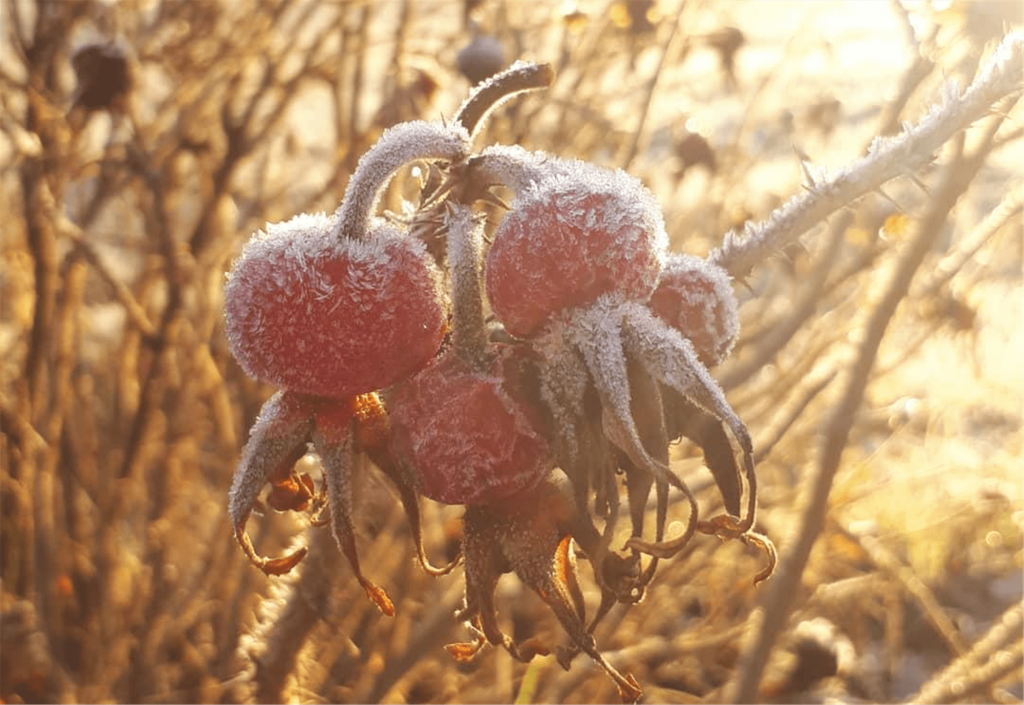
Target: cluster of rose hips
594,359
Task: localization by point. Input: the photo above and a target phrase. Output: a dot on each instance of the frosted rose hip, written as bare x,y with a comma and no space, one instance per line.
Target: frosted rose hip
333,317
465,434
568,239
696,298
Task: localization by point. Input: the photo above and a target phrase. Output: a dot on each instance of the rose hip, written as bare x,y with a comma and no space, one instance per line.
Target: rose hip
696,298
333,318
467,434
569,238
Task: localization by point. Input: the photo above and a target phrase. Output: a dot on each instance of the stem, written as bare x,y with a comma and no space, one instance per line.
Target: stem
399,145
512,166
465,256
518,78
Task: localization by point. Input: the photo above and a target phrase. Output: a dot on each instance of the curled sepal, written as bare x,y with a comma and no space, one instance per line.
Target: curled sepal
332,439
292,492
685,419
277,440
729,527
752,538
532,536
668,548
372,431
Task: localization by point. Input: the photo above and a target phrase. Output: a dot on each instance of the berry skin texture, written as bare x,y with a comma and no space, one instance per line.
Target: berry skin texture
567,239
465,434
333,317
696,298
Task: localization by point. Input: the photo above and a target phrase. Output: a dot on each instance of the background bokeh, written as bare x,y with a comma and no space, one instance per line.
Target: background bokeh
143,141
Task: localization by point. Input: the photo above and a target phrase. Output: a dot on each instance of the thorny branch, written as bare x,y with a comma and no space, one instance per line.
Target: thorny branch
887,158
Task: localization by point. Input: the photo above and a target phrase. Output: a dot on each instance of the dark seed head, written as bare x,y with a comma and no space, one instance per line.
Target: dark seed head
102,73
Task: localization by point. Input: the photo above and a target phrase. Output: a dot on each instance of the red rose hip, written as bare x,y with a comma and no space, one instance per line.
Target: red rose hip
466,435
581,232
333,317
696,298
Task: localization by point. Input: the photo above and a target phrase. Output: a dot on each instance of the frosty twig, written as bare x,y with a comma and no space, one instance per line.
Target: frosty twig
887,158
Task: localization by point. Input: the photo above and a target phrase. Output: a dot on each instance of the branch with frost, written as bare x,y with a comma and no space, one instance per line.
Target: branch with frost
992,658
887,159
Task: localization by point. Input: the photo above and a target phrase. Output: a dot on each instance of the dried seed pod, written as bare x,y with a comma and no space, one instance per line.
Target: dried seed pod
101,71
481,58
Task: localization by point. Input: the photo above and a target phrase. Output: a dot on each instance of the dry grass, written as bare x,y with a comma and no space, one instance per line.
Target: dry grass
122,412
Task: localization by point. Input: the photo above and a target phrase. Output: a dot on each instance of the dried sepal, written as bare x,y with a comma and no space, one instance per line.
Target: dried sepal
673,361
292,492
596,333
372,433
332,438
277,440
686,419
531,536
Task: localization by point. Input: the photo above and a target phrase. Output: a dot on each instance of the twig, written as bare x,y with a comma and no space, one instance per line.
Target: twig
1011,206
136,314
777,603
887,159
652,85
764,448
886,561
992,657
